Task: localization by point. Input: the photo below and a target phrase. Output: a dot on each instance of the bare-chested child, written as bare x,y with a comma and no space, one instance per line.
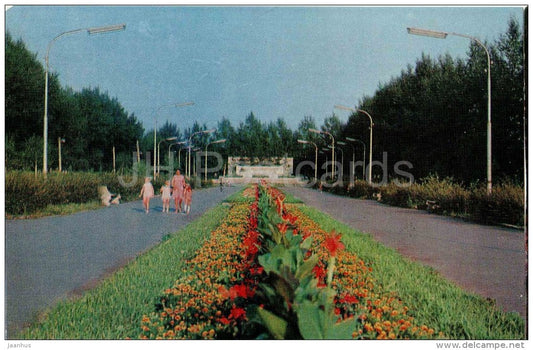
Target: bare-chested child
165,196
147,192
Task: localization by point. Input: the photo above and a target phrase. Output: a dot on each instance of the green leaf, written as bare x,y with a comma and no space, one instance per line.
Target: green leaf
310,320
306,268
284,287
276,325
342,330
306,244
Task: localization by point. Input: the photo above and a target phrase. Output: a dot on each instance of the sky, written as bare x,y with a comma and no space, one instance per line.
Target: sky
277,62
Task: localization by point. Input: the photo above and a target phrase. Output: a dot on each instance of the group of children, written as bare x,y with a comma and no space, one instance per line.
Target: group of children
180,191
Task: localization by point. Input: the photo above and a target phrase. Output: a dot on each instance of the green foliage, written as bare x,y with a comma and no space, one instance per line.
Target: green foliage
27,193
295,307
434,113
505,205
90,121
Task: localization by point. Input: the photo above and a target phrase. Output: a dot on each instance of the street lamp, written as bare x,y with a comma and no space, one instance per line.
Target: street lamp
190,138
332,148
173,144
364,153
155,128
342,160
91,31
159,151
316,153
370,141
211,143
60,140
443,35
194,164
342,143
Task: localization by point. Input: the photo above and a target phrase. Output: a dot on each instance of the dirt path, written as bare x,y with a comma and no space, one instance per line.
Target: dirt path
50,259
487,260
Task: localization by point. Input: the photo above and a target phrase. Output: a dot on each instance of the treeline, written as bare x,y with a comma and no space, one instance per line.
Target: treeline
433,115
89,121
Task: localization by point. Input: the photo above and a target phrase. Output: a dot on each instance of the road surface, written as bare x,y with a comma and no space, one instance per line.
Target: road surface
48,259
487,260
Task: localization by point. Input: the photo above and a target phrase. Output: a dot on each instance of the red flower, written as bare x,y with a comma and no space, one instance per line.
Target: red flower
319,271
350,299
333,243
237,312
279,203
253,222
283,227
257,271
238,291
241,290
224,320
290,218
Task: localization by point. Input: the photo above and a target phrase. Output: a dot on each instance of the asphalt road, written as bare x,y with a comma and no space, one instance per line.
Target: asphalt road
487,260
53,258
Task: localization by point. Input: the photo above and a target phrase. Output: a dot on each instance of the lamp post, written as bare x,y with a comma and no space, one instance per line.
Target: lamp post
364,152
159,151
170,146
179,158
194,164
211,143
325,153
155,128
370,141
190,138
60,140
342,143
342,160
332,148
443,35
316,153
90,31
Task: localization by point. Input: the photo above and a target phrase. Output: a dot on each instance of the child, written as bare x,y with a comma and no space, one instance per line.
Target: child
147,192
165,196
187,198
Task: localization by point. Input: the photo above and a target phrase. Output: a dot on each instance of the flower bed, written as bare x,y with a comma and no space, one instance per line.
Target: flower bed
271,272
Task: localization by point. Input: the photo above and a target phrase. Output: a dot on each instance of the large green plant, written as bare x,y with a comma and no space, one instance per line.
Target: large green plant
295,306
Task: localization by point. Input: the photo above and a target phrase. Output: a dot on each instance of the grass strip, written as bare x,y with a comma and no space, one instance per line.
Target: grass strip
114,309
58,209
435,301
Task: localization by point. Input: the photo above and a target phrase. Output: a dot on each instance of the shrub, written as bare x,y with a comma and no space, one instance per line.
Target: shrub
361,189
451,197
504,205
399,196
26,193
